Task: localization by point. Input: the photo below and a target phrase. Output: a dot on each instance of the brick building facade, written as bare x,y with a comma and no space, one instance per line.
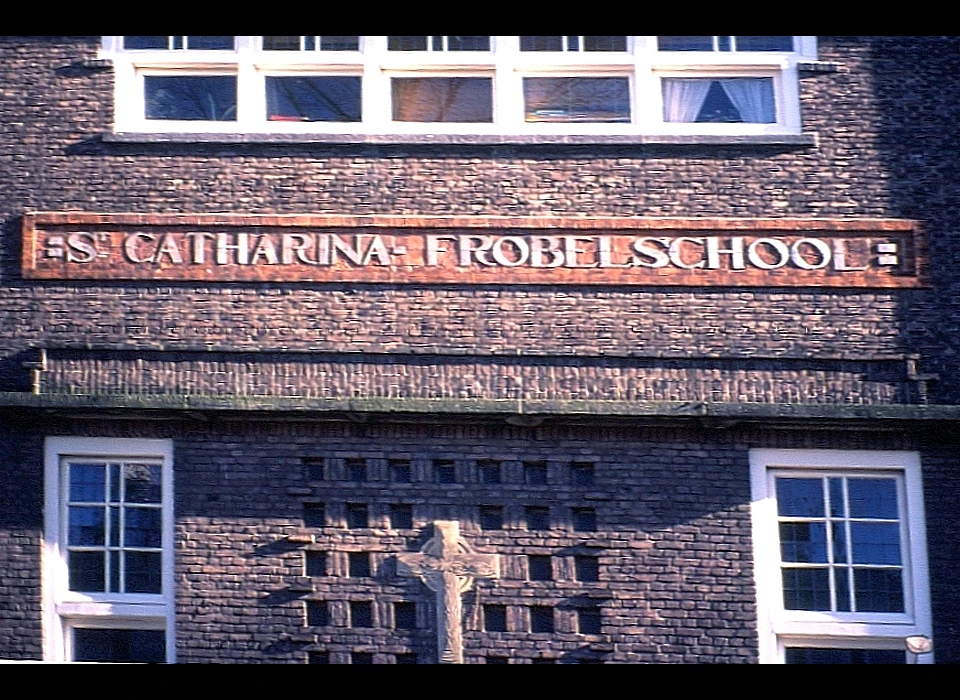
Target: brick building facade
211,462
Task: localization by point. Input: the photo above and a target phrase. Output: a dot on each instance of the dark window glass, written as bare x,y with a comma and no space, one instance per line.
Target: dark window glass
685,43
543,661
604,43
764,43
541,43
401,516
491,517
400,471
130,646
405,616
582,474
210,43
588,620
489,472
356,515
468,43
535,473
878,590
315,563
314,515
339,43
803,542
539,567
142,527
872,498
538,517
191,98
313,99
406,659
281,43
361,657
87,571
445,472
442,99
142,572
406,43
569,100
812,655
584,519
586,568
145,42
541,619
314,468
318,657
88,483
495,618
800,497
361,614
87,526
806,589
497,660
356,470
318,613
359,564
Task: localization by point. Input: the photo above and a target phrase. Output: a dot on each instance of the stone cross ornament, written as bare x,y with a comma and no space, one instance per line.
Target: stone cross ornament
447,565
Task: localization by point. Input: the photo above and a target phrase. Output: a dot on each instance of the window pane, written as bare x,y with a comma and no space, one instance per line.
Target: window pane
812,655
588,621
873,498
803,542
145,42
468,43
685,43
210,43
406,43
131,646
875,543
142,572
604,43
87,527
142,483
281,43
800,497
88,482
142,527
878,590
339,43
806,589
569,100
314,99
191,98
541,43
86,571
442,99
764,43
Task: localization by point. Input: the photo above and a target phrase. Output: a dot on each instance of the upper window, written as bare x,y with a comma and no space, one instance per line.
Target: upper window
108,581
841,562
520,85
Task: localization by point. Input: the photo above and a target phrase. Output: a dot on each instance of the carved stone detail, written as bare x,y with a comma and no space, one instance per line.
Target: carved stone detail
448,566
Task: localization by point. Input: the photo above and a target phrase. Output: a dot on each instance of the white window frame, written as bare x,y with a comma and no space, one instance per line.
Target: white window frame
780,628
65,610
505,64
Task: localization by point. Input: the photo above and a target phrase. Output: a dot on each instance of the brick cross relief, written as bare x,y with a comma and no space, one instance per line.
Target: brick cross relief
447,565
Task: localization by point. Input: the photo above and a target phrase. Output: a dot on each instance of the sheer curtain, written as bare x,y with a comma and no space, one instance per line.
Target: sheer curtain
683,98
753,98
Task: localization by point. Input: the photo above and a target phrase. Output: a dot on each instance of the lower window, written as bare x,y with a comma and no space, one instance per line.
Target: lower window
108,575
719,100
840,549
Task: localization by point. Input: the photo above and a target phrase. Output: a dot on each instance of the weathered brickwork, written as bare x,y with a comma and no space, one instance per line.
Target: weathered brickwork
610,379
672,542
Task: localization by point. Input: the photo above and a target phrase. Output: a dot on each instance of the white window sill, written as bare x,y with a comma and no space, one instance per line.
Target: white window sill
808,139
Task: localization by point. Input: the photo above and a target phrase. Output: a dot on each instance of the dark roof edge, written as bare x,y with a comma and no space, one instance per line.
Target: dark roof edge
474,406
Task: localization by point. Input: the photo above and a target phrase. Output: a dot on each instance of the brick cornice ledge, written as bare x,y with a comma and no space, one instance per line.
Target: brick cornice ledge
491,407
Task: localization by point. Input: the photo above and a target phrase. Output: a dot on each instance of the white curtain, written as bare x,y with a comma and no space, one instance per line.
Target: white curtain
683,98
753,98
